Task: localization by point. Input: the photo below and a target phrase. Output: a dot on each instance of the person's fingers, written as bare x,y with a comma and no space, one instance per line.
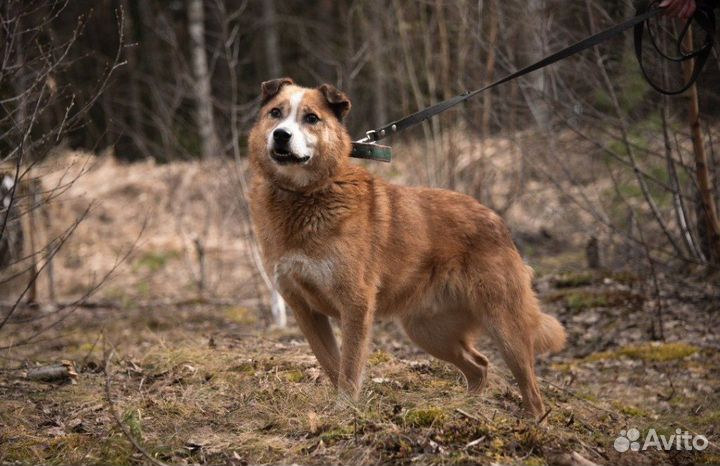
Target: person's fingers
688,10
668,6
678,8
674,8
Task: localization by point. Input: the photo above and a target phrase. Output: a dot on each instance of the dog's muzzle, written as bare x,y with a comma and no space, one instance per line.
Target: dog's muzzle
281,152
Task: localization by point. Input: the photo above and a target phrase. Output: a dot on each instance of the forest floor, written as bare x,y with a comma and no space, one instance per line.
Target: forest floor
209,384
207,381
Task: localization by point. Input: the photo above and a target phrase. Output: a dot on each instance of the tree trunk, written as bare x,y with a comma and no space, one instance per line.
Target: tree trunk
709,217
272,52
535,42
203,97
489,65
378,76
135,101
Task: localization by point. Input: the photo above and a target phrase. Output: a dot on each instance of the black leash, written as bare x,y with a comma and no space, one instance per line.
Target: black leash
705,18
367,148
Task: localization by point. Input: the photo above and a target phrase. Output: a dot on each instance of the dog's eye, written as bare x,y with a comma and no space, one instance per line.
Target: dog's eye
311,118
275,113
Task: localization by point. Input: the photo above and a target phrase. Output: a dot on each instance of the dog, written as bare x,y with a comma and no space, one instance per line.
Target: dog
341,243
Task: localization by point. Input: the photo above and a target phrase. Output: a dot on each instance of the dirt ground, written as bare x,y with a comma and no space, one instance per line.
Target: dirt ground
198,376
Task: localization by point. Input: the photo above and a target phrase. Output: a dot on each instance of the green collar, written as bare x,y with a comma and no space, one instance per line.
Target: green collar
371,151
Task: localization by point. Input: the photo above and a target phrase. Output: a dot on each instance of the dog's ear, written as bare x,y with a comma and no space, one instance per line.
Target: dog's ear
338,101
269,89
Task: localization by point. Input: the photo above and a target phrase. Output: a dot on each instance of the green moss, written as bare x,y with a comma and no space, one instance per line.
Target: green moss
143,288
379,357
497,444
655,352
566,261
708,458
294,376
579,301
458,457
79,448
630,410
246,367
336,434
116,450
425,417
119,295
602,100
534,461
625,277
133,420
240,315
586,395
574,280
563,367
153,261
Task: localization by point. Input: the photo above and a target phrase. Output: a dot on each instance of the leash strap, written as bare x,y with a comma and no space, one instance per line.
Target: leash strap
367,149
705,18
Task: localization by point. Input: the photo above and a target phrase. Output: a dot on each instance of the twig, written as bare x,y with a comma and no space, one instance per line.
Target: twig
470,416
62,372
111,406
542,418
475,442
140,305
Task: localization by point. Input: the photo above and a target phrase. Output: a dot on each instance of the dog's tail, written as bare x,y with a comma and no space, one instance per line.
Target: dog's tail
550,336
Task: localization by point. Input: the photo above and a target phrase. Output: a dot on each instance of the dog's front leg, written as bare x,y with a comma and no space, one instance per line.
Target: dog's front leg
318,332
356,322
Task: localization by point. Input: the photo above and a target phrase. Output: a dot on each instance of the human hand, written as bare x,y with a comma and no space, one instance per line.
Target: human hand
682,9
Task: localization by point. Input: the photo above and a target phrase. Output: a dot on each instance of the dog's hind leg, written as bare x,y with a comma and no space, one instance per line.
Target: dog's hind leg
513,336
450,340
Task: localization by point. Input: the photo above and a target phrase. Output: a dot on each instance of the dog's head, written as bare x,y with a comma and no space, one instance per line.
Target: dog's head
299,140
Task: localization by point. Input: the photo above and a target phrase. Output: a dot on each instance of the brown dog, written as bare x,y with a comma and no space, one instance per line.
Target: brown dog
342,243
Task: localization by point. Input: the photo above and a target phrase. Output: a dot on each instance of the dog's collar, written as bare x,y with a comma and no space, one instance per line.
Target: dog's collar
371,151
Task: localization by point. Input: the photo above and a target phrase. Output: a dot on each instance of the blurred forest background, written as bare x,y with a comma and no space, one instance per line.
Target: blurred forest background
123,173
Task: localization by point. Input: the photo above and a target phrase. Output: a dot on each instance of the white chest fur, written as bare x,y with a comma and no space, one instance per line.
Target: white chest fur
297,266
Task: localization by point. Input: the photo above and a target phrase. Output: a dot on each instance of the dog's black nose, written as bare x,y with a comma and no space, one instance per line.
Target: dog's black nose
281,135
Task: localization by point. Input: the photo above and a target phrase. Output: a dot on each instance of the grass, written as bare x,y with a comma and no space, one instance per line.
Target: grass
574,279
580,300
262,401
425,417
240,315
631,410
153,261
255,396
649,352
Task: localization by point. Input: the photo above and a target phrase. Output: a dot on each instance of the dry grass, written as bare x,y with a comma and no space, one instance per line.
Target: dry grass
196,385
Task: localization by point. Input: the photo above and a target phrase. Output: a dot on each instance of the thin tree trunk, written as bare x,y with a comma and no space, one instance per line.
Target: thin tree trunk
379,94
412,77
272,51
135,102
203,97
32,296
536,43
489,65
707,200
